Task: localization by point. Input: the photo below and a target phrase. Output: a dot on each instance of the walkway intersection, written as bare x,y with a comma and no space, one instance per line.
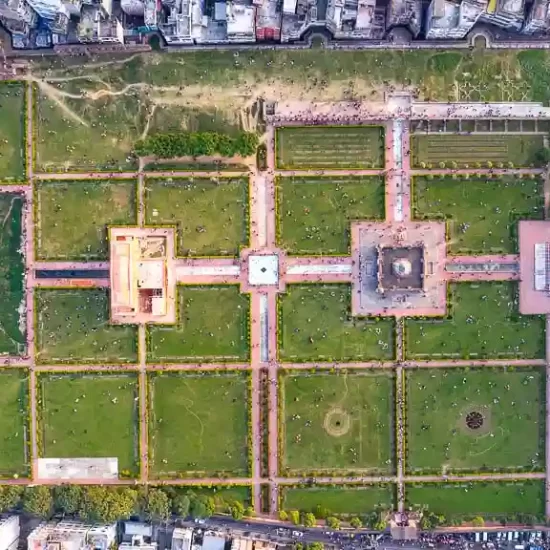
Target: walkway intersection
263,270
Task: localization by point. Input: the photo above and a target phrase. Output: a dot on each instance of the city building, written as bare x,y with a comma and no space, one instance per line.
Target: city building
182,539
69,535
507,14
241,22
9,533
538,18
405,13
213,542
137,536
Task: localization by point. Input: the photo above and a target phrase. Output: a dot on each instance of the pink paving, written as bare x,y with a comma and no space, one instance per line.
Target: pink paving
397,231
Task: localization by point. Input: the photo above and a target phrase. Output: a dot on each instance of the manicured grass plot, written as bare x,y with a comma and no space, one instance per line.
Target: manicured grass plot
337,422
213,324
469,150
482,214
13,422
340,500
72,217
199,424
475,420
483,322
315,324
12,131
314,213
319,147
72,326
483,499
211,216
90,416
12,339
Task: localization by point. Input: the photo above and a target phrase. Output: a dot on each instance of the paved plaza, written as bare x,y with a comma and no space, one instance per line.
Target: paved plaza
397,267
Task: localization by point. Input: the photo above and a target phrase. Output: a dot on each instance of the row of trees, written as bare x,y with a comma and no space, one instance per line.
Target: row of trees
195,144
106,503
375,520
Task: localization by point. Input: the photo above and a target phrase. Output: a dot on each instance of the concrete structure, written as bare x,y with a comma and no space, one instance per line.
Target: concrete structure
9,533
507,14
405,13
451,20
66,469
538,18
182,539
241,22
143,285
68,535
213,542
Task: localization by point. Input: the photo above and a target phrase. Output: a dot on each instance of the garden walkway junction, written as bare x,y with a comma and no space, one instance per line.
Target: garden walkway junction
263,270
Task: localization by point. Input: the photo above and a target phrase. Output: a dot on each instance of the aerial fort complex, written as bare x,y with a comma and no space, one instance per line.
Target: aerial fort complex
357,318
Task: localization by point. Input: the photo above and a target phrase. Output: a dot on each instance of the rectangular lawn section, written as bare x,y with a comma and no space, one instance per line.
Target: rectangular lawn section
213,324
94,416
14,428
344,501
521,150
488,499
72,326
72,217
211,216
315,324
12,268
475,420
314,213
337,422
12,131
198,424
482,215
223,496
318,147
483,322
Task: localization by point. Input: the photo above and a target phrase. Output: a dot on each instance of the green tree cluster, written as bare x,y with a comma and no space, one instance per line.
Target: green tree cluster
194,144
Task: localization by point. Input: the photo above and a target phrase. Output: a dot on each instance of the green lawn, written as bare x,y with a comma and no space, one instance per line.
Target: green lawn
337,422
211,216
482,214
213,324
470,150
223,495
12,131
487,499
14,429
344,501
72,217
89,415
72,326
318,147
511,404
12,267
315,324
484,322
198,424
314,213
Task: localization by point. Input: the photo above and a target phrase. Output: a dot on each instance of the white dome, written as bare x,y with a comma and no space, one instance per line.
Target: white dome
401,267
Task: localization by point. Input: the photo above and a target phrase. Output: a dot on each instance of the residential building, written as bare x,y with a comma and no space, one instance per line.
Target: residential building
9,533
405,13
68,535
241,22
507,14
538,18
450,20
182,539
268,19
213,542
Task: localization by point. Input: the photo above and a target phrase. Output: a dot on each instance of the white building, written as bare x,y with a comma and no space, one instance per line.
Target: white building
241,22
182,539
69,535
507,14
9,533
446,19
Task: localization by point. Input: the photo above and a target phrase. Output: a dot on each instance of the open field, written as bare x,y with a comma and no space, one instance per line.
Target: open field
72,326
315,324
343,501
482,215
486,499
211,216
483,322
72,217
213,324
188,436
89,415
318,147
314,213
14,428
12,340
444,435
475,151
12,131
337,422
